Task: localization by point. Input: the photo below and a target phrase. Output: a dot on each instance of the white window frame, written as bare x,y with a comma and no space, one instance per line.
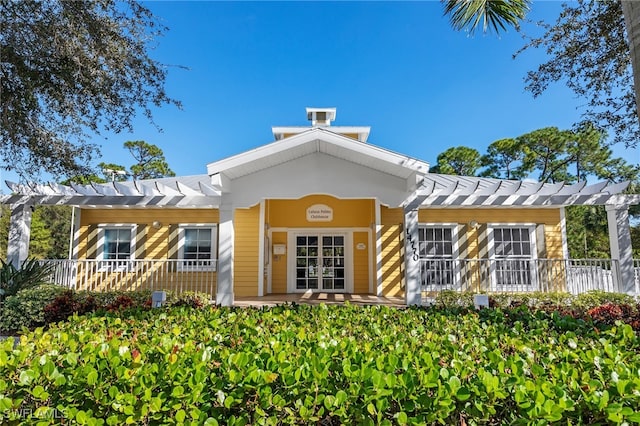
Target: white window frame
454,255
531,227
115,264
184,266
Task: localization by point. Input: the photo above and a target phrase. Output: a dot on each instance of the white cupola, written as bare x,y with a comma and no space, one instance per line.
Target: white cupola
321,116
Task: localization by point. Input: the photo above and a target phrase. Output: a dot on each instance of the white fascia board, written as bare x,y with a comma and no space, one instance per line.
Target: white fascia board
361,131
311,136
257,153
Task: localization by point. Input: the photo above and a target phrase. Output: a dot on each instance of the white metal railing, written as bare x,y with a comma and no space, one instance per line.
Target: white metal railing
164,274
519,275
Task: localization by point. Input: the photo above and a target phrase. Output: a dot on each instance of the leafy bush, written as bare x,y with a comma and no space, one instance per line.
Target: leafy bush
104,299
593,299
324,365
121,303
30,274
191,299
609,313
26,308
451,299
67,304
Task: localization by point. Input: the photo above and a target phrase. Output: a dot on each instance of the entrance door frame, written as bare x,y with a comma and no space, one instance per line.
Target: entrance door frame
372,255
291,257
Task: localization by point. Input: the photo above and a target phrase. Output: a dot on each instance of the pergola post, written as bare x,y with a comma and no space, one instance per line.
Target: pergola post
412,288
19,234
224,293
620,244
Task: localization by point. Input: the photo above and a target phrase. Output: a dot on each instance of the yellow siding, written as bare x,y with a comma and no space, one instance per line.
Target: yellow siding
279,265
472,245
346,213
350,135
151,244
392,267
246,250
156,244
361,263
550,218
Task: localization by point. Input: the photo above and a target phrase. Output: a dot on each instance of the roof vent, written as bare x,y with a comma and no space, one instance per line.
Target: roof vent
321,116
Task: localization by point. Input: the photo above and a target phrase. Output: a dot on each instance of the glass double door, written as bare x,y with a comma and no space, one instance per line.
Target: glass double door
320,262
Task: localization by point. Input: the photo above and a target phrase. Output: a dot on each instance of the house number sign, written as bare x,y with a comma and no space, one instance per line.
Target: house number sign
319,213
414,250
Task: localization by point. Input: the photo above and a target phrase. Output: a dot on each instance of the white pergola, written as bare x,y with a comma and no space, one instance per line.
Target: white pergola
429,191
437,190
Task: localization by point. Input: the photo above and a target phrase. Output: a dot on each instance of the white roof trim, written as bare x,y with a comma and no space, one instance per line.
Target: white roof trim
315,140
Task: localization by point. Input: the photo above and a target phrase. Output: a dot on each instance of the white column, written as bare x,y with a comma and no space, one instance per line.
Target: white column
224,294
412,289
19,233
261,251
377,243
620,243
74,234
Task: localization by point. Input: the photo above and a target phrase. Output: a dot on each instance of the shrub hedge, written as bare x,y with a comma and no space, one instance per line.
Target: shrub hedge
49,303
26,308
324,365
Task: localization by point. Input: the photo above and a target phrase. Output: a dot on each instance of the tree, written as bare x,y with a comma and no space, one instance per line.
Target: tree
70,69
459,160
504,160
631,12
151,163
547,153
495,14
589,53
110,172
554,155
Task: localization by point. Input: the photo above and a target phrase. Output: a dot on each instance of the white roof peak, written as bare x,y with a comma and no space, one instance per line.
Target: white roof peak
321,118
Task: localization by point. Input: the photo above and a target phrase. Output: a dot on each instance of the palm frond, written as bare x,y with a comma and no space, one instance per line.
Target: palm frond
488,14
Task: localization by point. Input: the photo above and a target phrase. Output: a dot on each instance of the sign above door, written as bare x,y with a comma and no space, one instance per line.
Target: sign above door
319,213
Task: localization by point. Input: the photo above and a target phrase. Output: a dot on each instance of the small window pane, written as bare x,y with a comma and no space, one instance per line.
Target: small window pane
197,243
117,243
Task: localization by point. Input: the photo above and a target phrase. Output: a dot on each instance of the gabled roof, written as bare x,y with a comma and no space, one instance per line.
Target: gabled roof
318,140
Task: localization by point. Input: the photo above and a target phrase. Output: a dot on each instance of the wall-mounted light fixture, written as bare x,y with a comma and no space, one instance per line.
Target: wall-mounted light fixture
156,224
474,224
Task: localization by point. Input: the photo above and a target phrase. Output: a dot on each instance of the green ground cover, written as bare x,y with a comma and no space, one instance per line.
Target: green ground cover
323,365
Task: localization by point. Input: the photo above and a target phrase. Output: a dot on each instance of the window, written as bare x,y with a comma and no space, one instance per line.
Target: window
437,249
513,249
198,246
116,246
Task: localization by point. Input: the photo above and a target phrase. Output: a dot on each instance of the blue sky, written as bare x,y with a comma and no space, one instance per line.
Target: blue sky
395,66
